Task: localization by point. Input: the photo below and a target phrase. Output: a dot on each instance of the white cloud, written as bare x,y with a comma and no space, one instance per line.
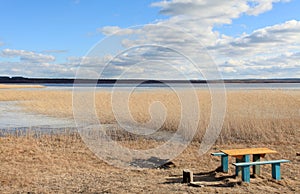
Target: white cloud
27,56
216,11
286,33
110,30
261,6
32,64
28,69
279,65
250,55
268,41
274,46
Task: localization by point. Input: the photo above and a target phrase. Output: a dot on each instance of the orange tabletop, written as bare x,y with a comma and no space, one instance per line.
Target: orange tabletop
248,151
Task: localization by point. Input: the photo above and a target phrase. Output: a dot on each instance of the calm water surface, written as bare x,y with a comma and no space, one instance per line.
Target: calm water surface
228,86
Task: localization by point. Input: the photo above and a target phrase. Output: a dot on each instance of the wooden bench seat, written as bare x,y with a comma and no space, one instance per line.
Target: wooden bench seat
246,168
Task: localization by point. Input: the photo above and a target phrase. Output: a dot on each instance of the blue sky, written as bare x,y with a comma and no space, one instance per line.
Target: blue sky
245,39
66,24
280,13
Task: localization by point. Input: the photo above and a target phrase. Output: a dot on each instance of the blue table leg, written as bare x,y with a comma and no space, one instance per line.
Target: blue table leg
246,174
276,171
246,169
246,158
224,163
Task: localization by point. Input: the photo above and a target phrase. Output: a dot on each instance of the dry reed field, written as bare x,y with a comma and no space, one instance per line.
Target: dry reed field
14,86
62,163
250,115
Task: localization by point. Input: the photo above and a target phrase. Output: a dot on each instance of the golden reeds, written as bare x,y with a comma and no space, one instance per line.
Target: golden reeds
14,86
250,115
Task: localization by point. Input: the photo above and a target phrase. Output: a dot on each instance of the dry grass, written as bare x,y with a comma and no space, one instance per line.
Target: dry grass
263,115
33,162
63,164
14,86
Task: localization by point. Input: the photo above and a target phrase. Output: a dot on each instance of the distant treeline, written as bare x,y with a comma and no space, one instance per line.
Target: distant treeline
24,80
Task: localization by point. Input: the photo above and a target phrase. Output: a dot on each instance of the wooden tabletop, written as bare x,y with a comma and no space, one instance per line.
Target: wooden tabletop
248,151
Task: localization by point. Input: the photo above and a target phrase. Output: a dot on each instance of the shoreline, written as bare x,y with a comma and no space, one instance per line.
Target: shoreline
27,80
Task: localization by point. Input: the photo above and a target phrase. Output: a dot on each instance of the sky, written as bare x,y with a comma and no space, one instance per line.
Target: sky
153,39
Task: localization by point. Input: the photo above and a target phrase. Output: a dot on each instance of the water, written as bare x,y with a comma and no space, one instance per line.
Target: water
228,86
12,116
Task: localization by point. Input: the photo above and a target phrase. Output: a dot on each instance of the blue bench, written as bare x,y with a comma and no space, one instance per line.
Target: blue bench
224,160
246,168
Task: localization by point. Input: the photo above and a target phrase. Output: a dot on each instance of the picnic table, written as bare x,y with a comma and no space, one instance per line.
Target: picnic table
242,164
243,155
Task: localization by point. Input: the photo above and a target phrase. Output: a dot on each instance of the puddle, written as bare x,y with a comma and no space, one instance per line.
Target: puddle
12,116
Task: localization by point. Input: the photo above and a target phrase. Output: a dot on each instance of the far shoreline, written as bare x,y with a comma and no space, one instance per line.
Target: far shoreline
41,81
